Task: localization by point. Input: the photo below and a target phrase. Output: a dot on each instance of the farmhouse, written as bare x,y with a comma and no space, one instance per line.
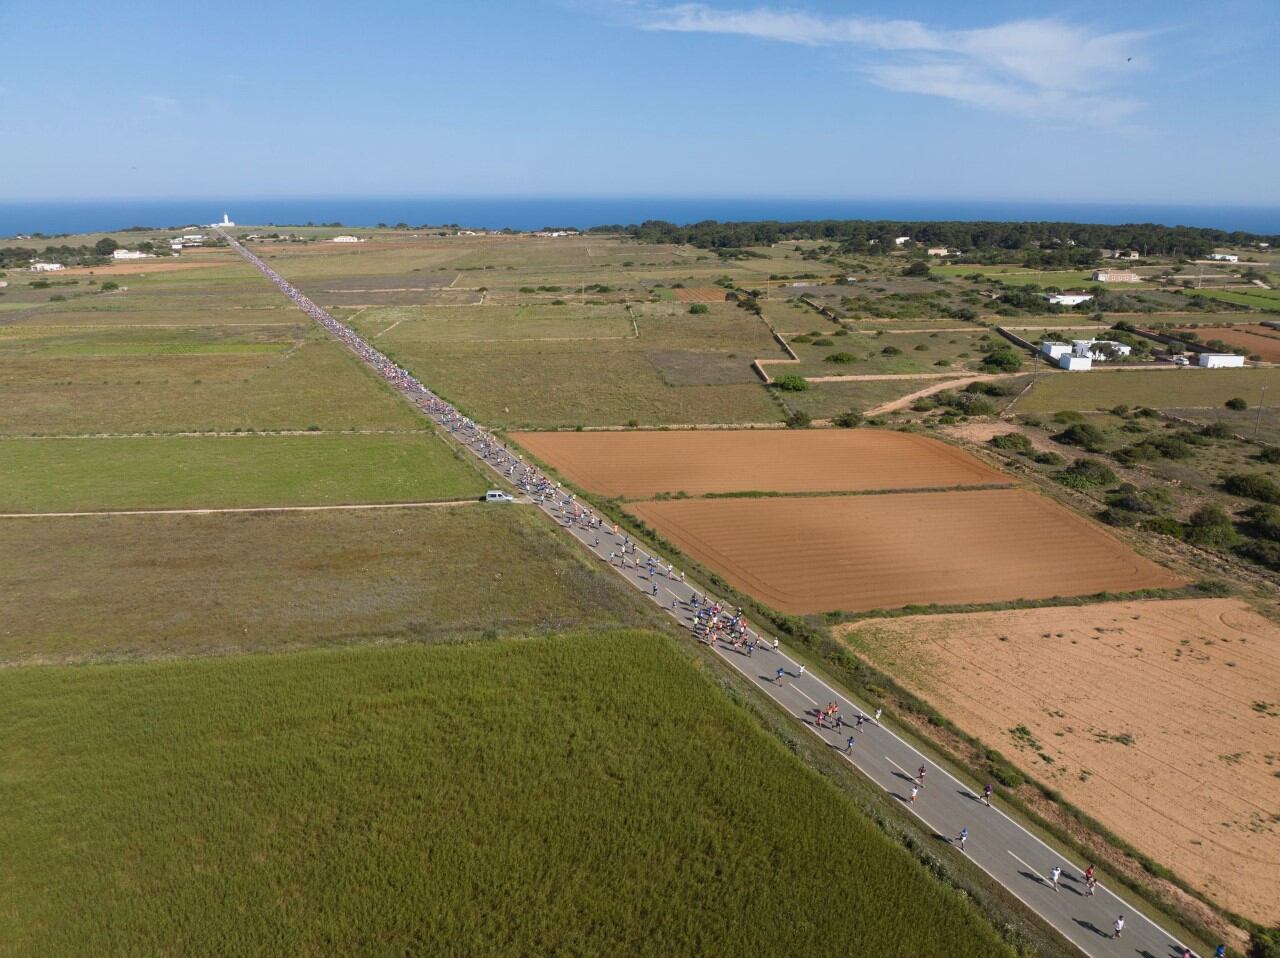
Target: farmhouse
45,267
1115,276
1124,254
347,239
1099,348
1075,364
130,254
1069,299
941,251
1225,257
1219,360
901,240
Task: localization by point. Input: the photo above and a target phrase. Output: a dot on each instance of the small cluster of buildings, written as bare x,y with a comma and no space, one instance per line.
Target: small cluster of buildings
347,239
1115,276
554,234
179,243
46,267
1225,257
1080,354
1068,299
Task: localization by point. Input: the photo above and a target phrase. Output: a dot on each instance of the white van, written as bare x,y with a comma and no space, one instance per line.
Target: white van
497,495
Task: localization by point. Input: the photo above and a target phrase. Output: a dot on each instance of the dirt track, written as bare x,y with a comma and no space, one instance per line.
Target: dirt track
818,554
1194,785
639,464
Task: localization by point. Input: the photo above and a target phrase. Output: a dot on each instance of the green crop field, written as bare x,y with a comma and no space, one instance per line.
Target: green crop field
583,794
1163,389
138,587
1259,298
62,475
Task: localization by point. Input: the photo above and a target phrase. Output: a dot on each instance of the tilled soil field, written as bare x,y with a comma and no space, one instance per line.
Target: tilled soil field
1259,340
641,464
857,553
700,294
1159,719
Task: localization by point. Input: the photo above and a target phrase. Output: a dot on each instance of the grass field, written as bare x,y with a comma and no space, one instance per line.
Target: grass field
576,795
1259,298
317,384
1159,390
143,586
61,475
495,323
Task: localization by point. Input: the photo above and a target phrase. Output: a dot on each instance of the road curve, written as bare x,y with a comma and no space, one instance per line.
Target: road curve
997,844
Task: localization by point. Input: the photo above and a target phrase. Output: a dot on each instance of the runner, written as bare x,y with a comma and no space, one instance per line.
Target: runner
1119,927
920,776
778,678
1054,874
801,672
964,837
986,794
848,745
915,790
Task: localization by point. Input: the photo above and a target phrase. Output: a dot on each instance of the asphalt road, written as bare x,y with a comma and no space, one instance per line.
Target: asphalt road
1004,849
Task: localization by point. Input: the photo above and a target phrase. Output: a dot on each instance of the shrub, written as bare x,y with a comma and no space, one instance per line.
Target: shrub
799,420
841,358
791,384
1216,430
1253,486
1236,403
1264,521
802,338
1120,411
1165,526
1210,526
1002,359
1068,416
1086,474
699,309
108,286
823,341
1269,454
1013,442
918,268
1262,551
891,351
1083,434
848,420
1047,459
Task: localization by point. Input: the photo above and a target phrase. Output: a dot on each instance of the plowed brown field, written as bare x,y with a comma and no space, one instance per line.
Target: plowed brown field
637,464
818,554
700,294
1259,340
1159,719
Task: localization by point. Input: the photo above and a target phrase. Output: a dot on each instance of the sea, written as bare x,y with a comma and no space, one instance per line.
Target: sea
531,213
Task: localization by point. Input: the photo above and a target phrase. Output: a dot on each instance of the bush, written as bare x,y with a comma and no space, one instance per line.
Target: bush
1270,454
1265,944
1165,526
699,309
791,384
1086,474
1216,430
1210,526
848,420
918,268
1047,459
891,351
1002,359
823,341
1253,486
1013,442
1068,416
1264,521
799,420
1083,434
1262,551
109,285
841,358
1236,403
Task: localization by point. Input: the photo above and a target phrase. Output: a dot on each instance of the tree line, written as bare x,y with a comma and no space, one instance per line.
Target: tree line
877,236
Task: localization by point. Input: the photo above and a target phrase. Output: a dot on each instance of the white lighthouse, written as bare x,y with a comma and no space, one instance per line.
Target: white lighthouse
226,221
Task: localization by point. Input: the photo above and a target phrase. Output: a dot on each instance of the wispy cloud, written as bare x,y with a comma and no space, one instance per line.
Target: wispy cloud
163,105
1044,68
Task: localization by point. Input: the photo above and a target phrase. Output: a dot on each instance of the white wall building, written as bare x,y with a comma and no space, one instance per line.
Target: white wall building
1093,348
1219,360
1115,276
1075,364
130,254
1069,299
46,267
1055,351
940,251
1225,257
347,239
901,240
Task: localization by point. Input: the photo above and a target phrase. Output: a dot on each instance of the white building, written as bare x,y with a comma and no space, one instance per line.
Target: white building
1219,360
46,267
1097,348
1115,276
1055,351
1125,254
901,240
226,221
1225,257
1069,299
130,254
1075,364
347,239
940,251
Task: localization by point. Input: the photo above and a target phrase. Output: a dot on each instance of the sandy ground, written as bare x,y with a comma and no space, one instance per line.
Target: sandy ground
982,432
1257,339
856,553
638,464
1159,719
135,266
700,294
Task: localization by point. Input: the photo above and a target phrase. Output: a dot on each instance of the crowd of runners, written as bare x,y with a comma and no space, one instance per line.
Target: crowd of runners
710,621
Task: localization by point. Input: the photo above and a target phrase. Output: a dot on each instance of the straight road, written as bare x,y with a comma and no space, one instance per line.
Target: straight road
996,843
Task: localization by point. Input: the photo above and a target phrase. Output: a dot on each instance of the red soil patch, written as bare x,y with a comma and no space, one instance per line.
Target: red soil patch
639,464
1259,340
700,294
856,553
1159,719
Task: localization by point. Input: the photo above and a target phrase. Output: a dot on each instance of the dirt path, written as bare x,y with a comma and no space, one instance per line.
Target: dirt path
902,402
449,503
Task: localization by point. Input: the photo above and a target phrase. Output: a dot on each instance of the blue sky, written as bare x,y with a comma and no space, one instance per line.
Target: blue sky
1159,102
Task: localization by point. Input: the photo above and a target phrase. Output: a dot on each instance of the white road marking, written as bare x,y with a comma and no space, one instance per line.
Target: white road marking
1032,870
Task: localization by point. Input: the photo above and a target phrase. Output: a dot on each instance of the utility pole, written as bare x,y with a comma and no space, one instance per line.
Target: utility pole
1257,423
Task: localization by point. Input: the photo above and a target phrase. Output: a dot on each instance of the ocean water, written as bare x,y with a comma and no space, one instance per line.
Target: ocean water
89,216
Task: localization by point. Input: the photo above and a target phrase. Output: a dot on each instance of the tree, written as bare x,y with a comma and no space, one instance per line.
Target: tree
1210,526
105,246
917,268
698,309
1002,359
1083,434
1236,403
799,419
848,420
792,384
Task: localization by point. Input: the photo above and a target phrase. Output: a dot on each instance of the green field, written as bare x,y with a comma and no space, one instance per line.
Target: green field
155,472
1162,389
587,794
129,587
1259,298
